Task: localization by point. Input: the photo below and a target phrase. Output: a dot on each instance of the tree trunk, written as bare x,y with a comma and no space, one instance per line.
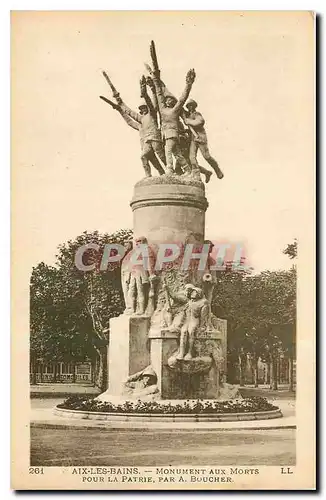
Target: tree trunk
290,373
252,371
270,365
101,370
274,386
41,372
241,371
73,372
34,368
55,372
93,368
278,365
232,370
255,369
267,373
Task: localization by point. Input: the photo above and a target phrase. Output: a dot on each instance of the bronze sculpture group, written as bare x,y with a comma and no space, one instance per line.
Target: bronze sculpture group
167,129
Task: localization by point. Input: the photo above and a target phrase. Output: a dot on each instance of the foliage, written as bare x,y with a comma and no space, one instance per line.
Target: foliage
291,250
54,317
189,407
70,308
260,310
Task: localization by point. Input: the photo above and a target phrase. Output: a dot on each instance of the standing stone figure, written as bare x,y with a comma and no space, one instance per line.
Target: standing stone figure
141,276
185,133
170,109
196,318
135,125
150,135
196,121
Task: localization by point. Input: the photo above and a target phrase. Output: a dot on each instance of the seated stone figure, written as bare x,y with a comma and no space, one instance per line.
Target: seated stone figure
176,303
142,385
187,315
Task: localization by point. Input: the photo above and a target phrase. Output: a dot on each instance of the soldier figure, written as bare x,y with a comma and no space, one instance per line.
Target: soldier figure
188,313
196,318
149,132
174,312
146,122
142,385
170,109
141,276
196,121
185,134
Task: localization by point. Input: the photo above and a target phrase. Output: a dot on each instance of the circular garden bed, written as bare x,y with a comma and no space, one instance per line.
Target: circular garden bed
254,408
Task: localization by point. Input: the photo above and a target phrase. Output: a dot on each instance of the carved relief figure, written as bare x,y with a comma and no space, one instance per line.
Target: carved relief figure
174,312
142,384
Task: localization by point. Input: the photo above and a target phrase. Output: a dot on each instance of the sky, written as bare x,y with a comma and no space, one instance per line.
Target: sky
75,161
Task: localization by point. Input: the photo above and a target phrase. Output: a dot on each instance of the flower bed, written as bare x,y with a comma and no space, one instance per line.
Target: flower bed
190,407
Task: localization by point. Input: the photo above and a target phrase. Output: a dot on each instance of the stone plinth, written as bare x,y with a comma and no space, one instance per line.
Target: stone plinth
169,209
162,345
128,349
187,379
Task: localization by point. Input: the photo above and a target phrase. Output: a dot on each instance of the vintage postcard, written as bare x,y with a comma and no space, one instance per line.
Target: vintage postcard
163,245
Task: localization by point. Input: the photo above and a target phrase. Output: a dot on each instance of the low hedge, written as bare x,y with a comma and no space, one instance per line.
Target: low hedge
198,407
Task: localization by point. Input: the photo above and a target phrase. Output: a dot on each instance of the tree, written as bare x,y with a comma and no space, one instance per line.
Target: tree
291,249
255,307
71,308
230,302
274,306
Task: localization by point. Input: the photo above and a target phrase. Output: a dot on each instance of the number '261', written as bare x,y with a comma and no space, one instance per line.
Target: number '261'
36,470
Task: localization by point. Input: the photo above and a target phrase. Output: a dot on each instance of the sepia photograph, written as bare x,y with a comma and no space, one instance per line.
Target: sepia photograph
163,214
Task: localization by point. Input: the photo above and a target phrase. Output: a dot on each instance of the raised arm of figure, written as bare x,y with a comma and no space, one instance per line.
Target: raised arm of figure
155,82
119,101
125,109
129,121
150,84
190,78
148,100
159,92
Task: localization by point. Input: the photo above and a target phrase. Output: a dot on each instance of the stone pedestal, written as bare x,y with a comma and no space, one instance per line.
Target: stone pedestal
162,345
169,210
180,379
128,349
